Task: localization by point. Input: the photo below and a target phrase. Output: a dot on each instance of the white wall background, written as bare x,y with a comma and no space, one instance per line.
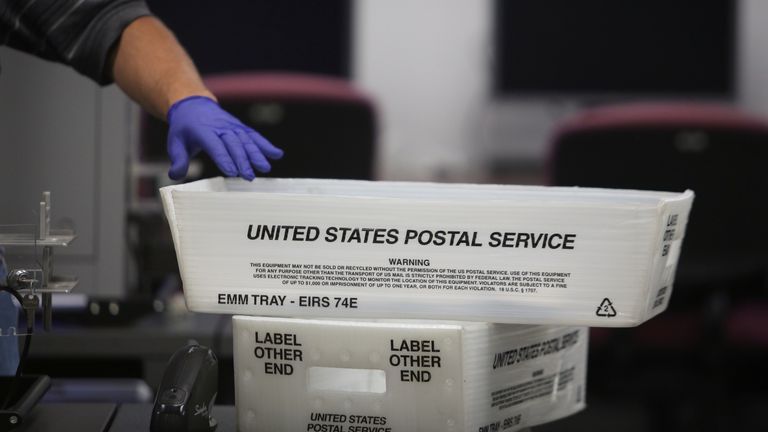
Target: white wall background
753,55
427,63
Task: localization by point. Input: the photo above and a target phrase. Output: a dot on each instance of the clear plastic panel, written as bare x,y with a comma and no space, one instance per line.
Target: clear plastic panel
19,235
27,267
12,257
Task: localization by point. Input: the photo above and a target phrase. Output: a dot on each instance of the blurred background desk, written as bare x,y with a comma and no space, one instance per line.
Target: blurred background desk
105,356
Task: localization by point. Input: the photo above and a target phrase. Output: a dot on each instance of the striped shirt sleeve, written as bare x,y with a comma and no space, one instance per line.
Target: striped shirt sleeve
79,33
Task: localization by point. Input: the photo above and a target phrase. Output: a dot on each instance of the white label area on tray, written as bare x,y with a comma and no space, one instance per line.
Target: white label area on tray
346,380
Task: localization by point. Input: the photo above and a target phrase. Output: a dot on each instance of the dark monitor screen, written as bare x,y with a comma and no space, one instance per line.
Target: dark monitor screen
263,35
627,47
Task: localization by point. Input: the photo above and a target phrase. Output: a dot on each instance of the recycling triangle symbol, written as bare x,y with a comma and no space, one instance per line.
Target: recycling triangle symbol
606,309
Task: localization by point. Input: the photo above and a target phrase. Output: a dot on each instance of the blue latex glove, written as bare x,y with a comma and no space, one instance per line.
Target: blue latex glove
198,123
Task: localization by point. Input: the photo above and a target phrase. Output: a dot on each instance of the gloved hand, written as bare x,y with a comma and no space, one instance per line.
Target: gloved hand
198,123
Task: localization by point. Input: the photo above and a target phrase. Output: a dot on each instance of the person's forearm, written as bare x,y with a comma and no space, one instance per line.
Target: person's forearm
153,69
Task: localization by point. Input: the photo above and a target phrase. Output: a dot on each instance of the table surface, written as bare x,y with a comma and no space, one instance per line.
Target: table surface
136,417
106,417
150,340
85,417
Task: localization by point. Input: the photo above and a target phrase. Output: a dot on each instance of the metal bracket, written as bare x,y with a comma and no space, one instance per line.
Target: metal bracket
40,281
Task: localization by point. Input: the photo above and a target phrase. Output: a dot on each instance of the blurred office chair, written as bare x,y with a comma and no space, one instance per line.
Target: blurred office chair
721,154
715,150
326,126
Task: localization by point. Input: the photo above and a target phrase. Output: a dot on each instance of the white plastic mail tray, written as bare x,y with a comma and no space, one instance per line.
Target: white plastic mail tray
363,249
355,376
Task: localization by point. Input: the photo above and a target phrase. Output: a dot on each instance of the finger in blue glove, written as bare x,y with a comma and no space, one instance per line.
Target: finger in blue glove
198,123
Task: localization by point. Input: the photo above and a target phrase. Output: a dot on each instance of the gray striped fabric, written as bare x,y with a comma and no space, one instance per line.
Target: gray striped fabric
79,33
